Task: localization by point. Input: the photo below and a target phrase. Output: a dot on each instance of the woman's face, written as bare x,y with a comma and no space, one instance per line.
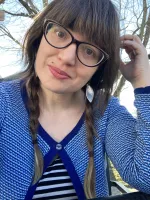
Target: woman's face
59,70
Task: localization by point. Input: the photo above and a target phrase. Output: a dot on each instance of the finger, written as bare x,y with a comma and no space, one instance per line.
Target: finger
131,53
127,48
131,45
131,37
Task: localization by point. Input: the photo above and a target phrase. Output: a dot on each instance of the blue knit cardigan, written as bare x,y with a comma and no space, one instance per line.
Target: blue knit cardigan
126,141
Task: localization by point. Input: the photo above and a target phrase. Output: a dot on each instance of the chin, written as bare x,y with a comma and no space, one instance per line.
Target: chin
57,90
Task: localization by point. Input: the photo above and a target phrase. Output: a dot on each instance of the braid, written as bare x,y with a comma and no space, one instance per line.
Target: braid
89,182
34,112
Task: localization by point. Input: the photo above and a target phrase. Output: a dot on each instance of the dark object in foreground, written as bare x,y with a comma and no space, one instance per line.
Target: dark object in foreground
129,196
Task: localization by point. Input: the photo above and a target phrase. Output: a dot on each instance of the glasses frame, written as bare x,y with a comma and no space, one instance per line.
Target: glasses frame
74,41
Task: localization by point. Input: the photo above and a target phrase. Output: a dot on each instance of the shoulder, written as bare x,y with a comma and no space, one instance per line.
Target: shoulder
9,92
9,88
113,110
114,115
111,107
114,105
8,85
10,98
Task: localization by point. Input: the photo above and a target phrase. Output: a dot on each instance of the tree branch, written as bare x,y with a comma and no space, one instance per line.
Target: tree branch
134,32
5,31
32,5
9,48
147,32
137,22
27,7
45,3
18,14
143,19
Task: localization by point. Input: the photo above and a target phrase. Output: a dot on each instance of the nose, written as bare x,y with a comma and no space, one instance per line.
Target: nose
68,55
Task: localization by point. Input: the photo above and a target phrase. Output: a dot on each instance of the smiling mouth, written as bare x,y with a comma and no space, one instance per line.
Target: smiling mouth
57,73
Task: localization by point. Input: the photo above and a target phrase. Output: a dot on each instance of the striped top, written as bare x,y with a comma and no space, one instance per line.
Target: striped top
55,183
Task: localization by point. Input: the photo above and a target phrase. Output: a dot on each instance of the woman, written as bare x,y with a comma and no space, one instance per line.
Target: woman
58,121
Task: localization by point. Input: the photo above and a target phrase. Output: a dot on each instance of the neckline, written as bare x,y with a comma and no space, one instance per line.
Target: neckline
42,132
66,139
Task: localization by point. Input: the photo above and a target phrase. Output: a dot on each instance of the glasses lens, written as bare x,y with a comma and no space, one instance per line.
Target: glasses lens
57,36
89,55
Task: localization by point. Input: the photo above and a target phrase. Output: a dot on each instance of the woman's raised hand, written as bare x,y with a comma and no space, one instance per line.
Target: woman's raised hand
137,70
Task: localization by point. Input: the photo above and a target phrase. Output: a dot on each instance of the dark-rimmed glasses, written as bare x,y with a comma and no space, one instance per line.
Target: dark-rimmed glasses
59,37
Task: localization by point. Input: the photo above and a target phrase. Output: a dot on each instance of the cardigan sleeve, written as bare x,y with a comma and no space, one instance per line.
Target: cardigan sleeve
3,104
127,140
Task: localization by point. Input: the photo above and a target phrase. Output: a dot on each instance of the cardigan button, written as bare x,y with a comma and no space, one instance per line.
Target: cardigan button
58,146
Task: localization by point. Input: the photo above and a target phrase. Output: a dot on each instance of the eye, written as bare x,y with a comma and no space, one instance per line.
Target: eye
60,34
89,52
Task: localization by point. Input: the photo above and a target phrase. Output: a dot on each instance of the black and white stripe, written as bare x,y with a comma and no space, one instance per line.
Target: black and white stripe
55,184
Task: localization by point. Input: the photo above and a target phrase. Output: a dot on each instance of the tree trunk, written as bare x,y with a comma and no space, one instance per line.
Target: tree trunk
143,19
147,32
119,87
2,15
2,1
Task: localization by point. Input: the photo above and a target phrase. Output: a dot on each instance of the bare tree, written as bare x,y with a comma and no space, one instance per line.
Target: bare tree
138,23
15,12
134,19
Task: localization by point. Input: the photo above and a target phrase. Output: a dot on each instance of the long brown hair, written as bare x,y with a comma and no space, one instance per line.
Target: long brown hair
98,21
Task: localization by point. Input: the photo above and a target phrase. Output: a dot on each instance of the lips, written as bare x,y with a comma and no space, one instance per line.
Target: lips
58,73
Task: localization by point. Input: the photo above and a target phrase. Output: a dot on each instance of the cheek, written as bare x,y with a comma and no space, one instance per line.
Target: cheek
40,56
41,62
44,52
87,73
84,75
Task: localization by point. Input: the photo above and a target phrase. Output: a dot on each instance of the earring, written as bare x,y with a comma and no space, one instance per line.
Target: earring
89,93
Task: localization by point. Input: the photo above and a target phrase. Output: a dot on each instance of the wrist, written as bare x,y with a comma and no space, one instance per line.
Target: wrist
141,83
